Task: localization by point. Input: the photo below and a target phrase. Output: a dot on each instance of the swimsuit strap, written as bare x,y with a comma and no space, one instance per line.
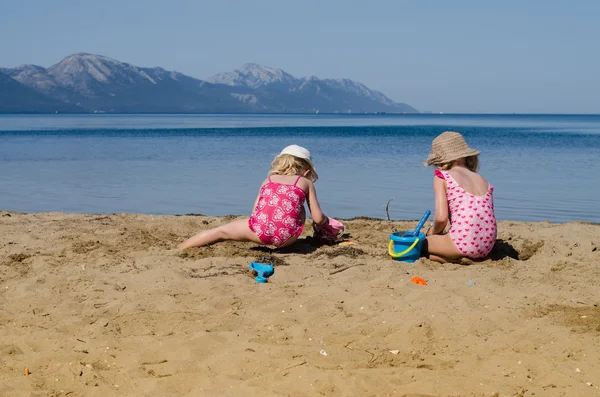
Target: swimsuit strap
445,175
297,179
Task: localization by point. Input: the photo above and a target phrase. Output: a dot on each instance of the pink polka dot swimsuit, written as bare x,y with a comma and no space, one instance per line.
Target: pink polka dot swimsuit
278,213
472,221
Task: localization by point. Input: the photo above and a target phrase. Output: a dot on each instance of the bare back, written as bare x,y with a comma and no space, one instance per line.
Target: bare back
302,183
470,181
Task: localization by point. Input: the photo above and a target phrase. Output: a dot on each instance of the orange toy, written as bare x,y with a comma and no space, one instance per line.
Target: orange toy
418,280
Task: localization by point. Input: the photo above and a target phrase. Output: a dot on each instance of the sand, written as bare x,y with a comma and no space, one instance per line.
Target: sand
103,305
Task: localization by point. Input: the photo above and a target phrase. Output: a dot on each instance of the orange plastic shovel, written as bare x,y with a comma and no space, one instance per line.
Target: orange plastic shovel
418,280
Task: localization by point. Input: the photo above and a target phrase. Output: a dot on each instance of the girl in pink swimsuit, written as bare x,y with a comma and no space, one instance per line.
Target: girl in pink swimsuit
463,198
278,216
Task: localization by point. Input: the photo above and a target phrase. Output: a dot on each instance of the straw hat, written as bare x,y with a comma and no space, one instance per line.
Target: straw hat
449,146
300,152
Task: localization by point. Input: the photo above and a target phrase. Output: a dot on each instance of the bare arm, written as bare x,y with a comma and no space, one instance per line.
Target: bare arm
257,197
440,219
313,205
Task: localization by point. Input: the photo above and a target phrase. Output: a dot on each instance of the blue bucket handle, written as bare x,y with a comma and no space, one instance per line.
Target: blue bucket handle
400,254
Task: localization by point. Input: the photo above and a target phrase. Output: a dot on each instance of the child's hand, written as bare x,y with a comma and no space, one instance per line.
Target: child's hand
331,230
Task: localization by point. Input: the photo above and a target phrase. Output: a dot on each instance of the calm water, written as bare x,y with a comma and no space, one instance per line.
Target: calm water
543,167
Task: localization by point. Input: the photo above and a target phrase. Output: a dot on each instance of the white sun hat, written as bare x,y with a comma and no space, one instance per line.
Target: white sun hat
300,152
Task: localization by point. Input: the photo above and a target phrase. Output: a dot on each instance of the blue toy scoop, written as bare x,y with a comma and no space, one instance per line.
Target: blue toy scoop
263,271
415,233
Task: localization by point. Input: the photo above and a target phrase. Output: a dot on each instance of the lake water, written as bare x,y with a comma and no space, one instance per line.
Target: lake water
543,167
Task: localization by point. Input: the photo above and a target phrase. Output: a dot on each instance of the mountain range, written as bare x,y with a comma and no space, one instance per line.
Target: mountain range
87,83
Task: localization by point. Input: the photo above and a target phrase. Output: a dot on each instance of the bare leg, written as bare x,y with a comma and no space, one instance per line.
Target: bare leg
237,230
441,248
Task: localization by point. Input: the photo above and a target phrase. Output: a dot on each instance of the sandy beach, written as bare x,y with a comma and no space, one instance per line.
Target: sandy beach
104,305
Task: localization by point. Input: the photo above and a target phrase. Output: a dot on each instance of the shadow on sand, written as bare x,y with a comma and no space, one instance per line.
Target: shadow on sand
503,250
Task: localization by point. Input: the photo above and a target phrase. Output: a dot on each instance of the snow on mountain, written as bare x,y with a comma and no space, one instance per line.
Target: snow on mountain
87,73
32,76
16,97
342,94
359,89
100,83
253,75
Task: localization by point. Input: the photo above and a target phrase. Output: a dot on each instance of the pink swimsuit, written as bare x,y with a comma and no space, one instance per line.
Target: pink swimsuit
278,214
472,220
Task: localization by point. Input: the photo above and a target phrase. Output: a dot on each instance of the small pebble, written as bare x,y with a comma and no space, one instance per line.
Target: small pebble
323,352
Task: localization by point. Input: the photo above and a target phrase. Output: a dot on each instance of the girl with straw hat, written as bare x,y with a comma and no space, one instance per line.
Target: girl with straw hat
463,201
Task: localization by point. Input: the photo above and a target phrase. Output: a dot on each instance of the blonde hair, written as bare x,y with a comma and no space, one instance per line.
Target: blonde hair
286,164
471,163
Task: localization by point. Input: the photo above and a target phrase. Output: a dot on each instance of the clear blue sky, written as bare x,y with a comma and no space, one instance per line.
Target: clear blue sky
525,56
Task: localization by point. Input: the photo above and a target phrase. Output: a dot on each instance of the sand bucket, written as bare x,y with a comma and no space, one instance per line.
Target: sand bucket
405,248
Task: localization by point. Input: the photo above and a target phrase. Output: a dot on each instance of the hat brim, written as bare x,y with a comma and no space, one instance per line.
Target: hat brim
309,161
431,160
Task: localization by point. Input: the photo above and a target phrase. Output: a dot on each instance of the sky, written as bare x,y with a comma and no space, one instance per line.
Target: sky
461,56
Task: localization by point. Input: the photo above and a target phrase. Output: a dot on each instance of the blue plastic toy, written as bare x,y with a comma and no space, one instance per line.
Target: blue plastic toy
406,246
263,271
405,249
415,233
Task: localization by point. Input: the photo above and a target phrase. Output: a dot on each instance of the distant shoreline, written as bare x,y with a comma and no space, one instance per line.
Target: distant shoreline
291,114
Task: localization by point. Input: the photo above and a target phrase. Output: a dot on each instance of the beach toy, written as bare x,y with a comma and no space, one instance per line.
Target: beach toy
406,249
418,281
415,232
406,246
330,231
263,271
